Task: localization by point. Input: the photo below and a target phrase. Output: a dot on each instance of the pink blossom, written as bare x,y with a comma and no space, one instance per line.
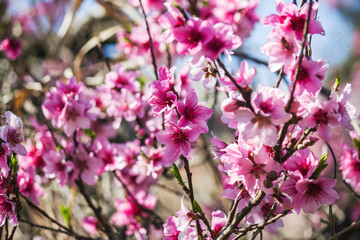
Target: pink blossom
171,19
346,109
192,36
204,70
86,165
4,153
321,115
223,39
11,47
292,19
13,134
218,221
120,78
170,230
350,167
314,192
7,209
310,76
268,104
107,152
303,161
57,166
193,113
283,50
29,184
177,140
89,224
243,77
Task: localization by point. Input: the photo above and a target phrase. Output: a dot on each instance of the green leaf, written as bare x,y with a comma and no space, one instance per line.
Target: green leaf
357,144
320,167
176,173
197,207
90,133
65,212
14,163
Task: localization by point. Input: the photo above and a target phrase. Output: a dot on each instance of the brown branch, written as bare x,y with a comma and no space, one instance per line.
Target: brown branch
281,75
353,225
352,190
225,233
150,41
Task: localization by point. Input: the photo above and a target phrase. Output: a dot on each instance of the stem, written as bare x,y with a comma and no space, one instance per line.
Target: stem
281,75
352,190
77,236
245,92
298,67
331,221
353,225
103,56
150,41
191,191
225,234
334,158
266,218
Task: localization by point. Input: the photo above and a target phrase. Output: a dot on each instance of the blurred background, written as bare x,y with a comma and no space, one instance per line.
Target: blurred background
60,38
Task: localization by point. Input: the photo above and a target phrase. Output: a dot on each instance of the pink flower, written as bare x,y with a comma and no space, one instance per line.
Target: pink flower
204,70
193,113
310,76
223,39
350,167
243,77
218,221
29,184
177,140
283,50
268,104
57,166
321,115
7,209
170,230
346,109
292,20
89,224
192,36
13,134
120,78
11,47
312,193
303,161
4,153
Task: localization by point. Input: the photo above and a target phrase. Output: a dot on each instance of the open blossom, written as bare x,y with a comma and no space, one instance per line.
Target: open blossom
302,161
283,50
13,134
29,184
120,78
292,20
192,36
204,70
243,77
223,39
346,109
350,167
268,104
310,76
4,168
193,113
57,166
177,140
7,210
11,47
321,115
90,224
311,193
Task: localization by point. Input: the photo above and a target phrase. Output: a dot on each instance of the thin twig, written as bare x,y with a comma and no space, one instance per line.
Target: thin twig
298,67
352,190
281,75
331,220
334,158
169,189
270,213
353,225
225,234
103,56
150,41
245,92
77,236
